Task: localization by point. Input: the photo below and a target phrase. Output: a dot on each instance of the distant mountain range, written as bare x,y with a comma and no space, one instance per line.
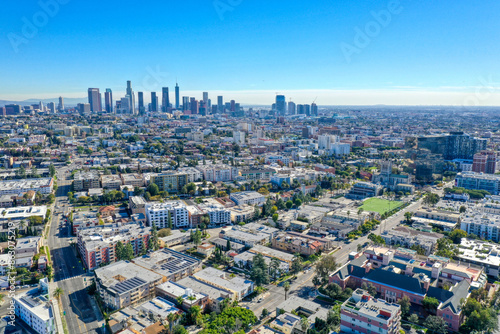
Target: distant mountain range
67,101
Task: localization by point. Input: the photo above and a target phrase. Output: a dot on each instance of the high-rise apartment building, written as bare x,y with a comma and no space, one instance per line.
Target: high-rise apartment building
185,103
314,109
486,162
194,106
94,100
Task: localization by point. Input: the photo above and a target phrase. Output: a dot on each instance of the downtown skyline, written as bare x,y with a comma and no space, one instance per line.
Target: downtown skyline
241,53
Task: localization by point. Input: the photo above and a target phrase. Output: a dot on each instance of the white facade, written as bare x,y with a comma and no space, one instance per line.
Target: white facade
218,173
33,308
325,142
218,215
248,197
158,214
42,185
192,173
340,149
239,137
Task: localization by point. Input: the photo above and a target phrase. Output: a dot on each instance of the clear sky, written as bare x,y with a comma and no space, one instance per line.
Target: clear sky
343,52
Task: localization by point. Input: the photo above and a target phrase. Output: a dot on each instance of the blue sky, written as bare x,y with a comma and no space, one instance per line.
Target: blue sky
426,52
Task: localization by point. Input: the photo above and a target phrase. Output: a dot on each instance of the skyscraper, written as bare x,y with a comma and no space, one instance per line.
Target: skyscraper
291,108
220,104
205,97
233,105
165,101
314,109
177,96
130,95
95,100
61,103
194,106
280,104
185,103
108,100
307,109
140,96
52,107
154,104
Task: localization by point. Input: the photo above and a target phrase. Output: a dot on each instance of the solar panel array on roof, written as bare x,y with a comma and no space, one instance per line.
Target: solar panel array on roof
30,301
128,285
176,264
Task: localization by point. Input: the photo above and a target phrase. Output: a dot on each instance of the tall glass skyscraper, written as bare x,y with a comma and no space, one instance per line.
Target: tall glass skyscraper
177,96
108,100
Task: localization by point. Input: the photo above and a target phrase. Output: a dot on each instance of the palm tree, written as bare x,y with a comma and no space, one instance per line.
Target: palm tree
179,300
172,318
304,324
286,286
58,293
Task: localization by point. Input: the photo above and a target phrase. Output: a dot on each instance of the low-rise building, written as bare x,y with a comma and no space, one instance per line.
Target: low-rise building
171,291
242,213
168,263
158,214
248,197
97,245
134,180
365,314
362,190
110,181
176,238
34,308
238,286
14,187
86,180
124,283
244,238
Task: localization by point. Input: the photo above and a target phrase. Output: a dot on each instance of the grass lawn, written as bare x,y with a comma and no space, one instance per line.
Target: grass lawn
380,205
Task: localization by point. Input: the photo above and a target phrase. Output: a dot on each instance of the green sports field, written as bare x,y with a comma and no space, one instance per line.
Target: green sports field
380,205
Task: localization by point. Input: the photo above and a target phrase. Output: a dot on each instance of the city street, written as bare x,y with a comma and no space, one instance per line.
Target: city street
82,315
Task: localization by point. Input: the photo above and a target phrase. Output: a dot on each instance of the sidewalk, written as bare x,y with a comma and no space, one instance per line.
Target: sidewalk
55,306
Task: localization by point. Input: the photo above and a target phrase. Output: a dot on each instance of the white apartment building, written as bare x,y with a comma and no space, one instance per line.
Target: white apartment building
157,213
193,174
218,215
325,141
218,172
34,309
248,197
42,185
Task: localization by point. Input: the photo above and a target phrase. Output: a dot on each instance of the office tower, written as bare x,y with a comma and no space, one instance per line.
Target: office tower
108,100
215,108
209,104
130,95
314,109
12,109
185,103
83,108
307,132
194,106
61,103
233,105
227,106
280,104
140,96
307,109
154,105
205,97
52,107
165,101
177,96
41,107
300,109
220,104
94,99
291,108
125,107
237,107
